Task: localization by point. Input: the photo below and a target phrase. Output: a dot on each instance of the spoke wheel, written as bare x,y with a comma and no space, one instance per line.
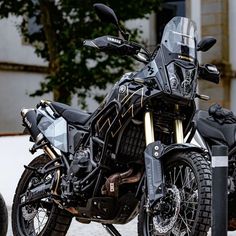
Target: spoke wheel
34,217
42,217
185,210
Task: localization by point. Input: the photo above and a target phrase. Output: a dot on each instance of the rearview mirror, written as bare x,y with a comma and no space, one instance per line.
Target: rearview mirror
206,43
106,14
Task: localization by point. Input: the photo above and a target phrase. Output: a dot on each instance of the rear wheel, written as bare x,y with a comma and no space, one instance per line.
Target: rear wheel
42,217
186,208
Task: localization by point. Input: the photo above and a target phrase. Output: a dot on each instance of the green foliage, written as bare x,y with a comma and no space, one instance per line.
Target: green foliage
61,26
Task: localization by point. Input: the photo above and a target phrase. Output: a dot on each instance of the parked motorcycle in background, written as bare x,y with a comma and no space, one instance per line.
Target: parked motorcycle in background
3,217
128,158
217,126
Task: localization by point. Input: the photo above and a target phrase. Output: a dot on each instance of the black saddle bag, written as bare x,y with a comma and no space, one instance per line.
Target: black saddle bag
221,115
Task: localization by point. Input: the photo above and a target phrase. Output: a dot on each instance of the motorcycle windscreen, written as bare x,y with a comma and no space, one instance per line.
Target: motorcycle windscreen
179,41
180,36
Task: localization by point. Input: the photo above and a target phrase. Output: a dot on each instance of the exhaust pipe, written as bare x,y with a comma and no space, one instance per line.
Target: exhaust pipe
30,121
111,186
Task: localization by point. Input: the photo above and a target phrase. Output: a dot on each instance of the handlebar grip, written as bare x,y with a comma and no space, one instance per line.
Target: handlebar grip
130,49
113,45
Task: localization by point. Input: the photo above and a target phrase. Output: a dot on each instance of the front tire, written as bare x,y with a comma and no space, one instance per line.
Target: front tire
43,217
188,176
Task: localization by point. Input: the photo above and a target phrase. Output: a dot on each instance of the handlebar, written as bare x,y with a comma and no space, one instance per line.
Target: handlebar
115,45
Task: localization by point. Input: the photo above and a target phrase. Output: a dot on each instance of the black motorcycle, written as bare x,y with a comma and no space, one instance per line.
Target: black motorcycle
127,158
3,217
217,126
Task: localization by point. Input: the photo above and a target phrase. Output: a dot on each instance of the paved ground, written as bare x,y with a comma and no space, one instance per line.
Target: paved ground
92,229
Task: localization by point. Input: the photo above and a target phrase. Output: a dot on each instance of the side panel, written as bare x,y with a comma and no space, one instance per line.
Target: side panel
54,129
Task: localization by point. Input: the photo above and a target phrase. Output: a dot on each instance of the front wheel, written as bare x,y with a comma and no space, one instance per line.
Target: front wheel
186,207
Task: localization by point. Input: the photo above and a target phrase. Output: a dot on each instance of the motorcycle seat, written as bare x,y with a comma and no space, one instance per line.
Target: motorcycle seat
70,114
209,128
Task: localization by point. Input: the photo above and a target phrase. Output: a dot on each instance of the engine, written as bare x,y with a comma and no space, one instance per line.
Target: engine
80,167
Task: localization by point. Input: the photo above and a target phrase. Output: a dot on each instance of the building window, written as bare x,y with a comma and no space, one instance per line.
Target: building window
168,10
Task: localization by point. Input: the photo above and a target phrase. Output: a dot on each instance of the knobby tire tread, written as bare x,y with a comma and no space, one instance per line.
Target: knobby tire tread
203,171
204,213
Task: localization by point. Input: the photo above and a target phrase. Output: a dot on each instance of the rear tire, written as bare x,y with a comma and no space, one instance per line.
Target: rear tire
3,217
191,174
55,221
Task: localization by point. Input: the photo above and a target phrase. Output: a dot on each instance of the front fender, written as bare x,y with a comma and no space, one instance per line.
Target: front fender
167,150
153,156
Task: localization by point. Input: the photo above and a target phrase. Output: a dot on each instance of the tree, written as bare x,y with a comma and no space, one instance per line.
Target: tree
57,28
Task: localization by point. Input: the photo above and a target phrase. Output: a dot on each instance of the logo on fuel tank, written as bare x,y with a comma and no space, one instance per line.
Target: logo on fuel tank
122,89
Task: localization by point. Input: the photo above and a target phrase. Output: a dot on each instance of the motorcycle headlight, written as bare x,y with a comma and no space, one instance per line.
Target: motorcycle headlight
181,79
174,82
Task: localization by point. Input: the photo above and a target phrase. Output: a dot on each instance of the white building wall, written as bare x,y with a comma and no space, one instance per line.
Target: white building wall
16,86
147,27
11,47
196,17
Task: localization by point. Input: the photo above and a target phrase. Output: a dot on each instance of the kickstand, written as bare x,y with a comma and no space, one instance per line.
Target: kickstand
111,230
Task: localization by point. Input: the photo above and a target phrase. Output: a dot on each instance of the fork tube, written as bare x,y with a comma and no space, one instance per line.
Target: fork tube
179,136
149,128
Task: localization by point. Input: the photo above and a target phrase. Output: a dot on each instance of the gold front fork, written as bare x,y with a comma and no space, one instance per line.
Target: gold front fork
179,136
149,128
